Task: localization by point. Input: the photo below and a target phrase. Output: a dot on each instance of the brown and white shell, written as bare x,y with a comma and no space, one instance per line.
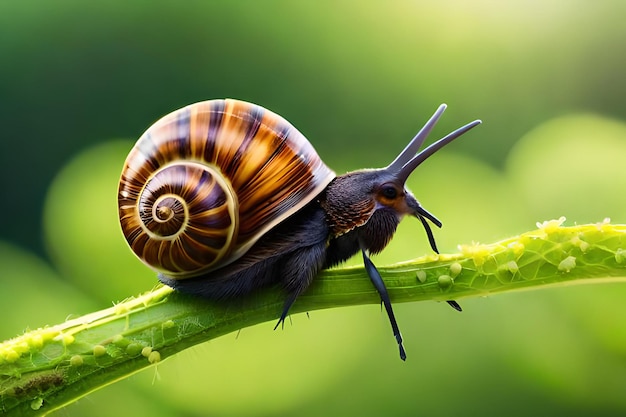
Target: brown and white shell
205,182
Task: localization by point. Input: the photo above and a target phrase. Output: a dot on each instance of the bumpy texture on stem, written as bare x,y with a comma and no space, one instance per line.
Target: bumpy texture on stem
47,368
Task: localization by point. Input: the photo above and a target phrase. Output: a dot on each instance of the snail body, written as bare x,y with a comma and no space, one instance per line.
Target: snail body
222,197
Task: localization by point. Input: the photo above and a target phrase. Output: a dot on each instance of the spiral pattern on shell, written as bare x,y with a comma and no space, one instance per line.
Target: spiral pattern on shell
205,182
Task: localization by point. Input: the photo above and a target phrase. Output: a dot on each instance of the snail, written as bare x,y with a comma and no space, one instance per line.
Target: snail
222,197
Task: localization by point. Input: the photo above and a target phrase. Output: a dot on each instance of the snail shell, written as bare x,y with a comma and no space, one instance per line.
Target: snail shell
205,182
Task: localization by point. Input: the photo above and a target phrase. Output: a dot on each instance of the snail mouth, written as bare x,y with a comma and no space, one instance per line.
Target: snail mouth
424,216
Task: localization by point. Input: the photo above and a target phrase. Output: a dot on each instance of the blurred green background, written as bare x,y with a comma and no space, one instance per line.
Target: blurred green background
80,81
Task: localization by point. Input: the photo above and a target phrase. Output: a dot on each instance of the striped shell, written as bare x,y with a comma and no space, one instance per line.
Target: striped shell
205,182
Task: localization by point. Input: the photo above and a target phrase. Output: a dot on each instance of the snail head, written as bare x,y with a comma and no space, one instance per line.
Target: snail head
406,162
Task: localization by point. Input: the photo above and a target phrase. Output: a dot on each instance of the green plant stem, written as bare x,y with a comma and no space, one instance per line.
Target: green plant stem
45,369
